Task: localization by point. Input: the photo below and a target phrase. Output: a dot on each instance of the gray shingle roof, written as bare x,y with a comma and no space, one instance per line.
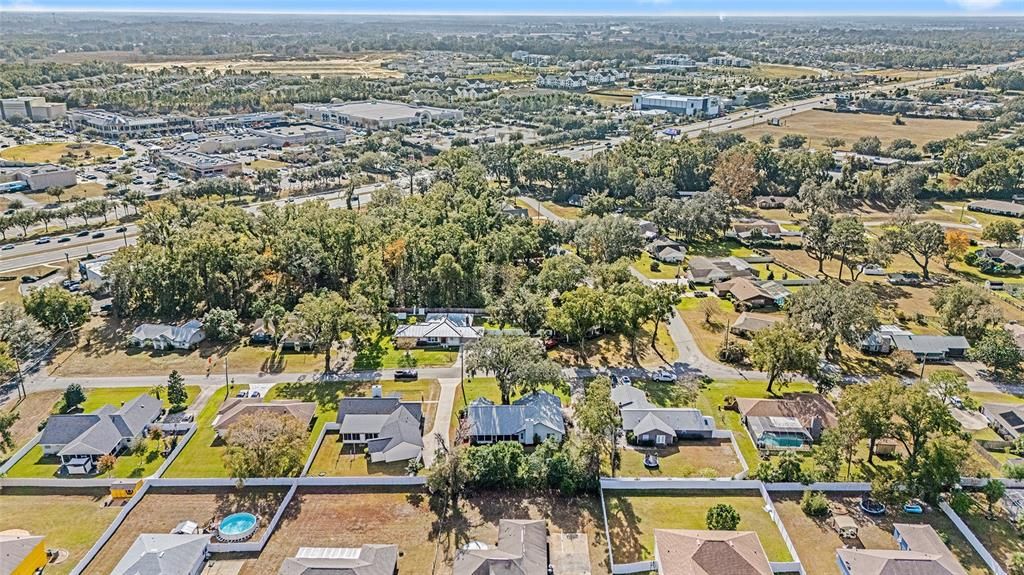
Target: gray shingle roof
367,560
162,554
540,407
99,432
522,550
930,344
678,419
398,425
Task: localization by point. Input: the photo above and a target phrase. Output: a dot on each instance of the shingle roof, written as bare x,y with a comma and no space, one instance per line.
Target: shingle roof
805,407
629,396
397,424
693,552
930,344
238,407
753,322
99,432
14,548
540,407
162,554
366,560
667,419
522,550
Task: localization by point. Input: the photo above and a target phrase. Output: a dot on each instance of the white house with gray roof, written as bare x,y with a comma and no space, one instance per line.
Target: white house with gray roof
530,419
440,329
648,424
391,429
164,554
522,550
365,560
161,336
79,440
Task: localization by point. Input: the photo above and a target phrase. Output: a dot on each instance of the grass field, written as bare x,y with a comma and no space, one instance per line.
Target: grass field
772,71
381,354
510,77
614,350
69,519
370,65
710,458
633,517
52,152
32,411
709,336
816,542
818,125
665,271
203,456
998,535
905,74
335,459
267,164
563,211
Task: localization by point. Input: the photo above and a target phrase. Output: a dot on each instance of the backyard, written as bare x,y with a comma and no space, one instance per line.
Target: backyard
998,534
69,519
816,542
335,459
634,515
688,458
161,509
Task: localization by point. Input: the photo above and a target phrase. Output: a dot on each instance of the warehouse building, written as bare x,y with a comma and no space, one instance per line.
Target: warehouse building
677,104
297,134
375,114
40,176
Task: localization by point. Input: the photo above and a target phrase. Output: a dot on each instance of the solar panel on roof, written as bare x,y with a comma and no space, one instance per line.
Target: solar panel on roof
1012,418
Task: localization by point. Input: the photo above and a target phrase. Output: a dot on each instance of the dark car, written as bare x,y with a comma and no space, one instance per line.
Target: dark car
121,230
64,239
407,374
29,279
82,234
99,235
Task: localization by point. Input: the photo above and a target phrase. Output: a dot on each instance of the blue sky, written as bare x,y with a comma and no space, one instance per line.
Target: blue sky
540,6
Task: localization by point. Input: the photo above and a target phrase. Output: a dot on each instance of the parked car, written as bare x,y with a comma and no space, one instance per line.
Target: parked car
43,240
98,235
664,375
625,380
406,374
29,279
7,247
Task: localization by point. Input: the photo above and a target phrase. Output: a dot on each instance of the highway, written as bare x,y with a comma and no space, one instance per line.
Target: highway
29,254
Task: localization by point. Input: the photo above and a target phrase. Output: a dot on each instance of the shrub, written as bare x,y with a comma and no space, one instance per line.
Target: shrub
903,361
655,266
732,352
815,504
722,517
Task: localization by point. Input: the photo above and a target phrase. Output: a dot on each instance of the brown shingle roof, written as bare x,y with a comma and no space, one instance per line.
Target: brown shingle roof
236,408
692,552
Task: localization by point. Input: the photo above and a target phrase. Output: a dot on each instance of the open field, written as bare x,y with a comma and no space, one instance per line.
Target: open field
771,71
665,271
381,354
349,519
816,542
162,509
267,164
634,515
709,336
564,211
705,458
906,74
818,125
370,65
69,519
523,76
52,152
614,350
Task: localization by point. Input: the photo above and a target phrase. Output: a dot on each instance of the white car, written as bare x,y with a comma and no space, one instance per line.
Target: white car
625,380
664,375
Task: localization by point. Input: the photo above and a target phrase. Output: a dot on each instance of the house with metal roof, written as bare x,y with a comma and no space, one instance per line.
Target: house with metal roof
391,429
530,419
162,336
749,323
932,347
522,549
921,551
79,440
234,409
998,207
439,330
697,552
164,554
364,560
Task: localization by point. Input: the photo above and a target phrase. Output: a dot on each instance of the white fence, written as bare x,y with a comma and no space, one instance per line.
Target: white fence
849,487
176,451
51,482
19,454
682,483
329,426
256,546
638,567
786,566
110,530
770,507
972,539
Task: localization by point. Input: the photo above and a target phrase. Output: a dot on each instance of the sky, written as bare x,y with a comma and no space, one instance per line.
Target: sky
714,7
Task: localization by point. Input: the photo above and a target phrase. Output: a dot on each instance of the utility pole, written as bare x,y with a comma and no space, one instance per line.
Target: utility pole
227,383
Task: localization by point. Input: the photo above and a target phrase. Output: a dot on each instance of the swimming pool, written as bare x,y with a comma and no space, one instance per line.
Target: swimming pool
237,527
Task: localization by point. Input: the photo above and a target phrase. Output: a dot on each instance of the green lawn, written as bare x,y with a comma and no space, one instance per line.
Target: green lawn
688,458
334,459
381,354
665,271
203,456
633,517
723,247
97,398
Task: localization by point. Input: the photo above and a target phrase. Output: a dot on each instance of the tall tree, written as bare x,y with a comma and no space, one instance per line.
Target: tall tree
834,313
519,363
57,308
262,445
998,351
736,173
921,241
1001,232
781,351
871,407
965,309
177,395
817,238
581,311
598,416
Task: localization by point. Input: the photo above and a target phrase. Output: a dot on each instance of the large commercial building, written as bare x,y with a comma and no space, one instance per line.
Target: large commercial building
296,134
196,165
114,125
676,104
375,115
40,176
33,108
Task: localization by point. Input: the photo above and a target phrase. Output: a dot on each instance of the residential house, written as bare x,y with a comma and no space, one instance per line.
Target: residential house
22,553
1006,419
234,409
769,203
880,340
666,250
921,551
755,230
567,81
648,229
391,429
1005,260
698,552
522,549
530,419
364,560
932,347
79,440
263,332
164,554
997,207
752,294
647,424
749,323
161,336
439,329
296,341
794,422
707,271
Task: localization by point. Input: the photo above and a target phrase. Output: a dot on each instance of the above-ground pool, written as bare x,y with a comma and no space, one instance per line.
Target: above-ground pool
237,527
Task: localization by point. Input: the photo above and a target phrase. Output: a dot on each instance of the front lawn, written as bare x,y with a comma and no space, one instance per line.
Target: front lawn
634,515
203,456
116,396
381,354
709,336
614,350
665,271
